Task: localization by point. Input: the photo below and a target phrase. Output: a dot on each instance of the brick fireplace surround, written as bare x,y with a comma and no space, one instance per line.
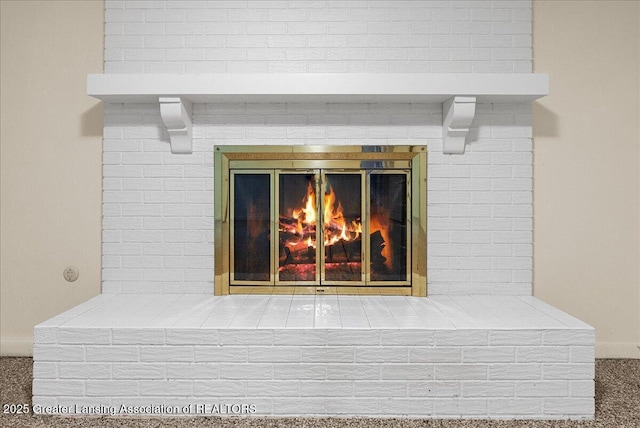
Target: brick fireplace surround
478,346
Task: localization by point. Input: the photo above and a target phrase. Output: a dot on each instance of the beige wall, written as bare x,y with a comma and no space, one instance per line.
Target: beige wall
50,147
586,167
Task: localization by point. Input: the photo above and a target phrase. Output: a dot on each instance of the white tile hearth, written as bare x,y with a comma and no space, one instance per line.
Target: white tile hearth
472,356
313,312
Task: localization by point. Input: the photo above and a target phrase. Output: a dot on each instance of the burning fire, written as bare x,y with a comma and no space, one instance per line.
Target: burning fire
336,227
303,221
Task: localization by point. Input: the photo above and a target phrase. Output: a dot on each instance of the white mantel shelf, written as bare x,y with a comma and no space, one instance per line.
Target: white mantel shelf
318,87
458,94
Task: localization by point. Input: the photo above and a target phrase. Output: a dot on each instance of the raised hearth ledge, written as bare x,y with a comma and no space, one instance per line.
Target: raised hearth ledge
458,93
305,355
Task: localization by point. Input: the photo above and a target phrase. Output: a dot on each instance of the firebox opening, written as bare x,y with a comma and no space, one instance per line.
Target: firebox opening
317,222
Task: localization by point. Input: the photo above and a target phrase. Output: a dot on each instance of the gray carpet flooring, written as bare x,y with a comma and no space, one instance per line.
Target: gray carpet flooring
617,405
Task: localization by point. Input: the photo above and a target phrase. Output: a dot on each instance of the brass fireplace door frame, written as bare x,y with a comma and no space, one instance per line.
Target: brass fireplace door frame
348,158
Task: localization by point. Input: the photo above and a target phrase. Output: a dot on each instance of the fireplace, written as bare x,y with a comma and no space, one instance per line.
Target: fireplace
320,219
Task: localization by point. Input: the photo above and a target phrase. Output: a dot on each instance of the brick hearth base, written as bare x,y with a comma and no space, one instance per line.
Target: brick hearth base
442,356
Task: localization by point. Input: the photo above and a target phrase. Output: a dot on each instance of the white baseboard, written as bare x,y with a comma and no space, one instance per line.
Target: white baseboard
617,350
16,348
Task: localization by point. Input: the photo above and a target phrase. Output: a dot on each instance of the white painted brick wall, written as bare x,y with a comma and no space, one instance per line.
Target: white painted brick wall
528,371
482,36
479,385
164,239
158,207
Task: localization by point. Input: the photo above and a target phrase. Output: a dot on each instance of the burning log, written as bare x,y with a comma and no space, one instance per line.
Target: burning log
305,254
344,251
340,252
343,260
302,252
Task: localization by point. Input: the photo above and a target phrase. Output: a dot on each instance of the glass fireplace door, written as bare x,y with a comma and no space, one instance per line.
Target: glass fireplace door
320,219
318,227
251,225
342,211
296,245
388,226
320,236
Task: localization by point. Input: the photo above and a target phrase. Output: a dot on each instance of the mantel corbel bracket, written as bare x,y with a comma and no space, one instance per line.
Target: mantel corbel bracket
458,113
176,115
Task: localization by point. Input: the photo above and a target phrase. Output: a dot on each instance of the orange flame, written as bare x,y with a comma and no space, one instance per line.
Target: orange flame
381,223
336,228
307,214
335,225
